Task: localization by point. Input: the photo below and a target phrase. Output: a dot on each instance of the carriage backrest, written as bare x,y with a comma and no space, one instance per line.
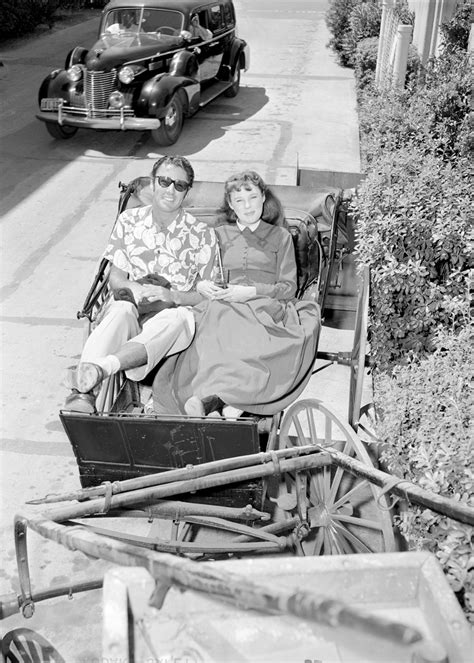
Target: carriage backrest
302,224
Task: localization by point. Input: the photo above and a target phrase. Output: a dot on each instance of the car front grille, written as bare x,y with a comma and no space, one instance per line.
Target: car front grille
98,85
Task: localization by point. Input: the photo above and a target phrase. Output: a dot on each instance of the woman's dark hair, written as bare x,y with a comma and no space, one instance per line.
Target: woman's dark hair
272,212
180,162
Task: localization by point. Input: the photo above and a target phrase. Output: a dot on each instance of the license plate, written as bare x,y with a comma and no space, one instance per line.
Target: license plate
50,104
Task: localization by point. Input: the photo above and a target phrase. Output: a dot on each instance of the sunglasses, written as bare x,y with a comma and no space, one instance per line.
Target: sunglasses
179,185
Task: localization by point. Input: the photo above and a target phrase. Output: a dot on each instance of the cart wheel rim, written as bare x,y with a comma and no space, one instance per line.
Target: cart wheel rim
344,514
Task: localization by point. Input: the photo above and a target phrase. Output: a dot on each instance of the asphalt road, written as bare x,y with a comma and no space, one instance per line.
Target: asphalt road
58,204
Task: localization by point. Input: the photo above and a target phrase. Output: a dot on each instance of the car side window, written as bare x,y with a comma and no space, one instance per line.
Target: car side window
202,16
229,16
216,19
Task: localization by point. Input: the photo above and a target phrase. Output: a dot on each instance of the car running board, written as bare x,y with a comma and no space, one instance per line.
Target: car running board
213,91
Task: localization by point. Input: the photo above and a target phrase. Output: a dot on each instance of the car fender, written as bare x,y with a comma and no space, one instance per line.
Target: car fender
76,56
185,64
235,56
157,93
56,85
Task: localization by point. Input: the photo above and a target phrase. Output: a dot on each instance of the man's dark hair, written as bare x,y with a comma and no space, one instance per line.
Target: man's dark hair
180,162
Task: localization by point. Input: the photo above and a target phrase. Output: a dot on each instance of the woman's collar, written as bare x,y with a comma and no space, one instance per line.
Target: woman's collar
252,227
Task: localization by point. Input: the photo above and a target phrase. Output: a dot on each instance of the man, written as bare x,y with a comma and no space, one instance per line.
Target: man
197,30
128,23
163,243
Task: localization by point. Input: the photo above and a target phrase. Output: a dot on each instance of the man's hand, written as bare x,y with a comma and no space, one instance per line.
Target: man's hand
236,293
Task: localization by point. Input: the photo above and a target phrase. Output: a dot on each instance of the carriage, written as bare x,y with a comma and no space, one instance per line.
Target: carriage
300,482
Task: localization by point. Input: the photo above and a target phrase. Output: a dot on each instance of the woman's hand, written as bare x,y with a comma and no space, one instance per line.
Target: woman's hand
152,293
236,293
208,289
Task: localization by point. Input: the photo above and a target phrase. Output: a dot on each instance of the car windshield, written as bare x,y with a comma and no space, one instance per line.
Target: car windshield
132,20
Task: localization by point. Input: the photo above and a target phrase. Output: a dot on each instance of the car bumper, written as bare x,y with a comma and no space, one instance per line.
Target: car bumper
115,123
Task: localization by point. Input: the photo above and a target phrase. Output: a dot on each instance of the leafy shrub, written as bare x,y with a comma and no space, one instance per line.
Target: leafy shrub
413,215
364,22
350,21
444,95
337,20
426,410
365,61
413,218
432,114
455,32
20,17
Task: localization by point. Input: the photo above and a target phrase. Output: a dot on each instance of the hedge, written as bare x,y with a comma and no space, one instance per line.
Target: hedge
20,17
351,21
413,219
425,426
413,216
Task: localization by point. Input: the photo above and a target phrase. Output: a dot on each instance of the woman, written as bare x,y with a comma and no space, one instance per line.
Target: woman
255,345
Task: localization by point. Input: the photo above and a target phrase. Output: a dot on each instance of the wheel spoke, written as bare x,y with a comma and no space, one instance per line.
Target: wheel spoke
327,481
332,493
344,544
360,522
318,544
345,498
358,544
318,486
299,431
336,540
328,432
327,542
316,496
313,433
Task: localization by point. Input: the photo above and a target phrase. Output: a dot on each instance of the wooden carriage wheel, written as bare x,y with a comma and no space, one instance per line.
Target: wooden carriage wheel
367,425
358,354
344,513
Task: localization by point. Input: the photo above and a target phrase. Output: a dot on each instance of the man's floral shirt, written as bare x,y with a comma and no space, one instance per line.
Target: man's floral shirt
180,252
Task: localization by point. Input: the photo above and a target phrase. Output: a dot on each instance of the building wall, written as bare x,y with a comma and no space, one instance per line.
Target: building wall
429,15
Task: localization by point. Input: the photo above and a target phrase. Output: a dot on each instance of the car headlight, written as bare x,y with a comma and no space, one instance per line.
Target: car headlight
116,100
126,75
74,73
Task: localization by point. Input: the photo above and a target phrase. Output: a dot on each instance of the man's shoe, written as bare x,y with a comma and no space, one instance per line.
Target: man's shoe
87,376
77,402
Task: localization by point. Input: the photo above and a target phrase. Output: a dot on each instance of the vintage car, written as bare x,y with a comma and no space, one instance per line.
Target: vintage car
154,63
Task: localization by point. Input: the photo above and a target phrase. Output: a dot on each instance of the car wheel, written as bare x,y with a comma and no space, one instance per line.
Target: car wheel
233,90
171,124
57,131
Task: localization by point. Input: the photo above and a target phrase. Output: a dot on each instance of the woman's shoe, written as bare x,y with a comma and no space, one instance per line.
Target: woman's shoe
231,412
203,408
194,407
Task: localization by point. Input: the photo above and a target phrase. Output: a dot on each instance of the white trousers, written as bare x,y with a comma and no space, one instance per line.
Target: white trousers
166,333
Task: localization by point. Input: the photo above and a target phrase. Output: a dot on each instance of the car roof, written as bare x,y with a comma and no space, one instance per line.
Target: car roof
178,5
